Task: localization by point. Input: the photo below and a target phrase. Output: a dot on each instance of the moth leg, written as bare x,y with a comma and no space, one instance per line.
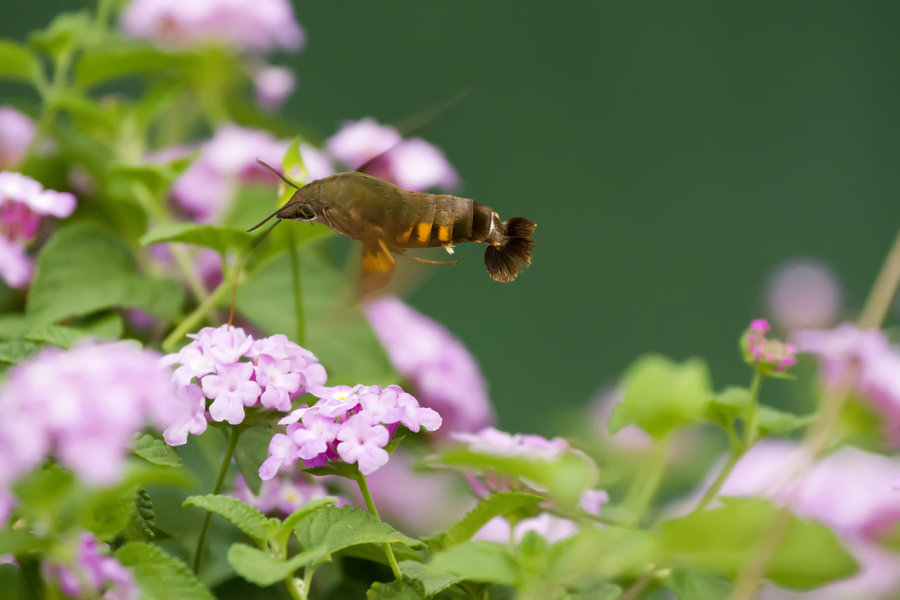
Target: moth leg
448,247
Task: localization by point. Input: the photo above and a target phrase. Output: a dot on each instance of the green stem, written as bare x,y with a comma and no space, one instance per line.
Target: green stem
223,470
713,490
367,496
189,323
751,417
298,297
642,491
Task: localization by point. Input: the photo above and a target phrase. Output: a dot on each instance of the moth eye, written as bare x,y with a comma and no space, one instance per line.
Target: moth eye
305,212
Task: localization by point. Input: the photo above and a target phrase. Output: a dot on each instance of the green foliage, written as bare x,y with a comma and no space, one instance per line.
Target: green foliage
403,589
247,518
495,505
478,561
220,239
84,269
17,62
723,539
261,568
65,31
160,575
155,451
661,395
778,422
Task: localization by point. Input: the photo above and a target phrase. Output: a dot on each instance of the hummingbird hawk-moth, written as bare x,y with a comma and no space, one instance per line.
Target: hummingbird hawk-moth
388,220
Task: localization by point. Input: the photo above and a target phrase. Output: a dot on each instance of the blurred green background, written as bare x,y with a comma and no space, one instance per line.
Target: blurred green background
671,153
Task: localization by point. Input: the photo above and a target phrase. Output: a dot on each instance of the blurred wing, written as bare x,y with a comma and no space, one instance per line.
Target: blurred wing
377,265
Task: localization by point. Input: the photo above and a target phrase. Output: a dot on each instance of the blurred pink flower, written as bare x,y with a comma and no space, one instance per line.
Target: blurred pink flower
16,134
273,85
413,163
443,373
850,491
16,268
868,363
206,188
500,443
83,406
260,25
283,494
93,573
803,294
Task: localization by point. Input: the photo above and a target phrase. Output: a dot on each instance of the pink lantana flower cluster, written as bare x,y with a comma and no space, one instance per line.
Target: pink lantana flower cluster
412,163
23,202
93,574
16,134
347,424
229,367
442,372
864,360
766,355
82,406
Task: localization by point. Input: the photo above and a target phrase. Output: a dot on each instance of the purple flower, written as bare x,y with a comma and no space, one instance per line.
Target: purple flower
16,134
766,355
499,443
549,527
864,360
803,294
444,374
850,491
92,573
205,190
281,494
273,85
349,424
236,371
362,442
16,268
413,164
83,406
259,26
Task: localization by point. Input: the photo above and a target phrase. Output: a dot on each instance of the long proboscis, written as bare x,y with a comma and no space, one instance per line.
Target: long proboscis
284,179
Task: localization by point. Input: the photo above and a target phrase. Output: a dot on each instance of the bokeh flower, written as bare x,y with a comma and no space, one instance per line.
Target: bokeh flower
413,163
16,134
93,574
205,190
864,360
82,406
283,494
444,375
229,367
273,85
349,425
259,26
803,294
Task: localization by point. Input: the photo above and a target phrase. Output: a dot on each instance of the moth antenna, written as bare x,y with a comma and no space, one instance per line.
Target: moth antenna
264,221
240,264
279,175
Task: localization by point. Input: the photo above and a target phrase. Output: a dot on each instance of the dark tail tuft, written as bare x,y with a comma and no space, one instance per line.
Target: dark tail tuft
505,259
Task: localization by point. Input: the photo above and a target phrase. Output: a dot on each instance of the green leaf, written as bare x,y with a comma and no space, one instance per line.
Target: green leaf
65,31
287,526
500,504
722,539
727,405
402,589
696,585
263,569
160,575
155,451
14,541
433,582
777,422
661,395
484,562
294,169
220,239
10,584
87,112
608,552
247,518
100,64
16,351
85,268
106,513
565,478
108,327
18,62
250,454
330,529
44,492
156,178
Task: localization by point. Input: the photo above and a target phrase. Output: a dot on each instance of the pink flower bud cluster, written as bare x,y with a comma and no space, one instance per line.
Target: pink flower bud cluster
765,354
93,573
442,372
347,424
82,406
412,164
229,367
259,26
23,201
